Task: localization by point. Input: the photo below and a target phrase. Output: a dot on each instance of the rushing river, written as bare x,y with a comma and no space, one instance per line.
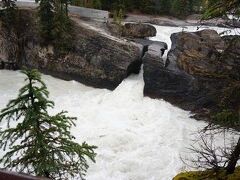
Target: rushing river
138,138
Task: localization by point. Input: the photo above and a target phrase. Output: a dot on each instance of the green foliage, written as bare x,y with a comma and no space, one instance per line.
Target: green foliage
228,119
118,20
181,8
231,97
112,5
9,13
46,14
61,33
208,175
97,4
77,3
221,8
146,6
194,175
118,16
41,144
9,4
163,7
55,24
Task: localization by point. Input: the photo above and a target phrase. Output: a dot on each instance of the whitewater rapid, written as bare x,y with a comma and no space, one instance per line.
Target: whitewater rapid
138,138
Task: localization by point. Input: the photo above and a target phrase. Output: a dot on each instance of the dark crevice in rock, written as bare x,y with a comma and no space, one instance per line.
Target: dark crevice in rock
145,49
134,67
195,73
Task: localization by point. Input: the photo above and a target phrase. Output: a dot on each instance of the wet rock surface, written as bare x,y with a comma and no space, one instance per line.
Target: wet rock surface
139,30
131,30
199,66
192,20
156,48
96,59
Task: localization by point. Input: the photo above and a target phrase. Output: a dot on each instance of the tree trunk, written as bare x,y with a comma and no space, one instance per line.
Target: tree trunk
233,159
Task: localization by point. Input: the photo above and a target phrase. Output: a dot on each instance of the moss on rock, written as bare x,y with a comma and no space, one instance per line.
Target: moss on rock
208,175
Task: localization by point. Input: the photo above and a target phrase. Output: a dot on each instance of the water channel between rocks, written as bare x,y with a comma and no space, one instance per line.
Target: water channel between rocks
138,138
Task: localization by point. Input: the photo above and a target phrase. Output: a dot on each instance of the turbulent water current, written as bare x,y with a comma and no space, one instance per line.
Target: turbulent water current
138,138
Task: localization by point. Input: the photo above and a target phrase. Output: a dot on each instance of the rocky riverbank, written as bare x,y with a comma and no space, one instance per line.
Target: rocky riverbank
192,20
199,67
96,58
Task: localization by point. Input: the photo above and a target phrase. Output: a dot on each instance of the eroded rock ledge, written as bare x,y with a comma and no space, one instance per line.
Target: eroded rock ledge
96,59
199,66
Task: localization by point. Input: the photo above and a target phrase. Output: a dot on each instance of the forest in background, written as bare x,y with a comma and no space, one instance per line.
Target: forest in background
178,8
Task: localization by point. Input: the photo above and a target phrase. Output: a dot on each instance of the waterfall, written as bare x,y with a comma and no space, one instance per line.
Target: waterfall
138,137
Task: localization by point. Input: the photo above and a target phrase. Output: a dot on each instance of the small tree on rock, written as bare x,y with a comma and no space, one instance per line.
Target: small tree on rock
41,144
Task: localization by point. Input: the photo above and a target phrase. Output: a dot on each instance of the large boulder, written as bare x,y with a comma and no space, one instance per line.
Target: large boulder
155,48
133,30
96,59
202,53
195,73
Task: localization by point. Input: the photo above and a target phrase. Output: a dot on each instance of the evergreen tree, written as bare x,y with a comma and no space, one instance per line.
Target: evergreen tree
9,13
163,7
55,24
196,6
61,33
41,144
112,5
76,2
46,14
222,8
146,6
9,4
61,27
181,8
97,4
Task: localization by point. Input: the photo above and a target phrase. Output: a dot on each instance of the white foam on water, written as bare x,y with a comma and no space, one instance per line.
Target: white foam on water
138,138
